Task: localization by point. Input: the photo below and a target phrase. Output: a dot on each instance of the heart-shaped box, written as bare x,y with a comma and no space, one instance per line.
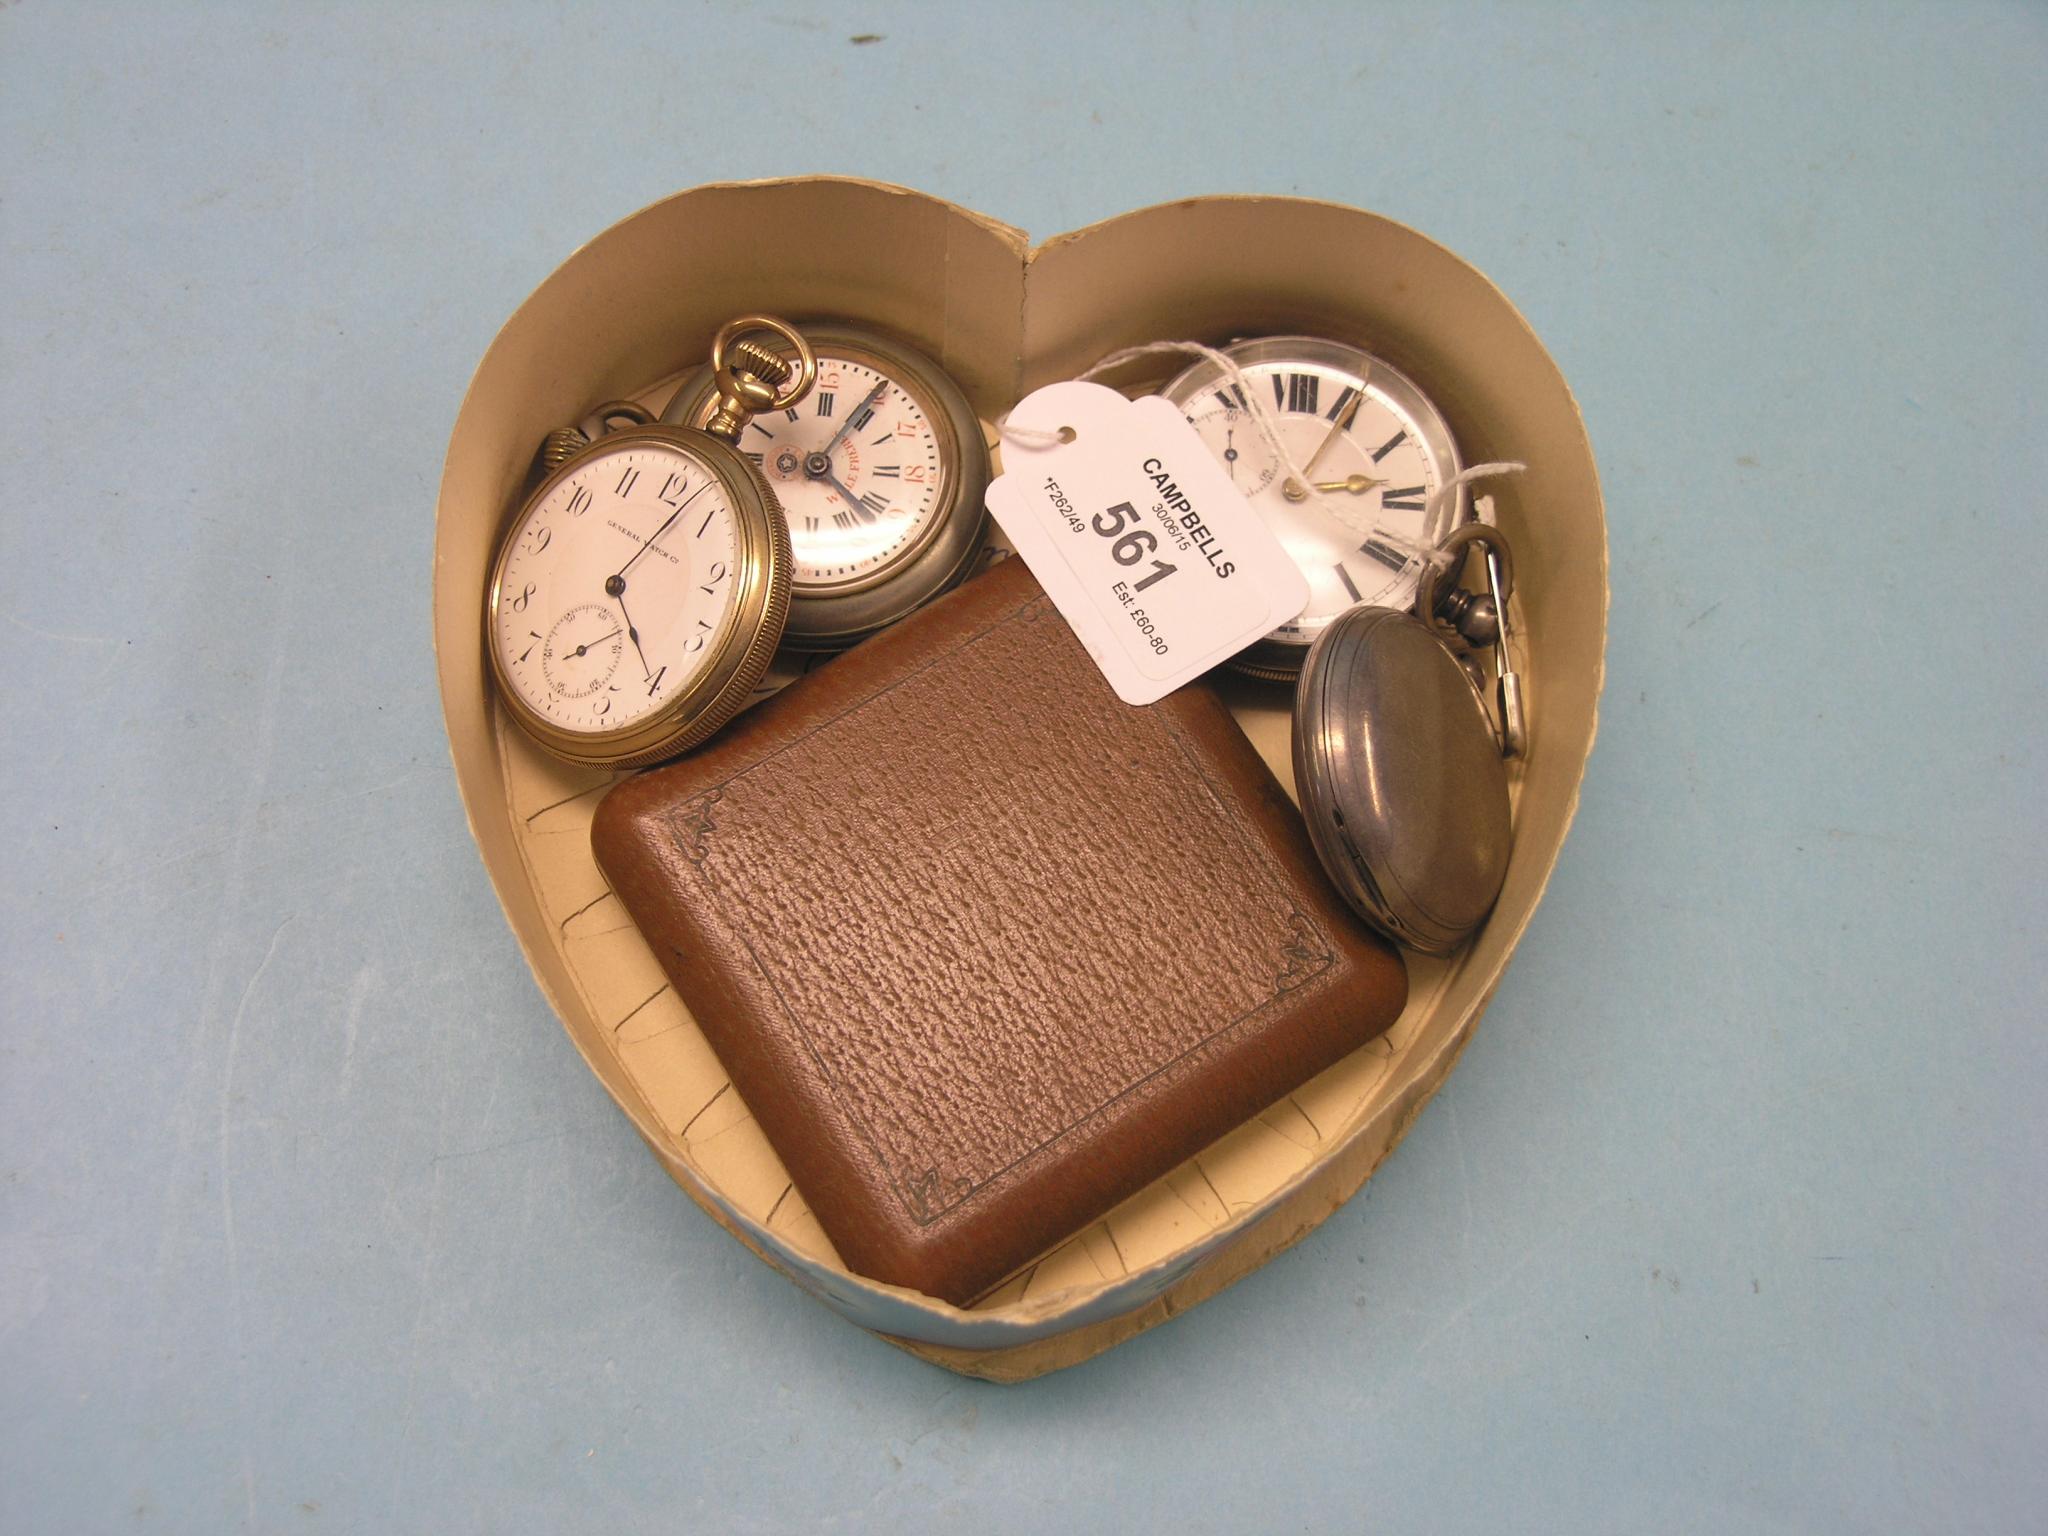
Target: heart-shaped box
628,312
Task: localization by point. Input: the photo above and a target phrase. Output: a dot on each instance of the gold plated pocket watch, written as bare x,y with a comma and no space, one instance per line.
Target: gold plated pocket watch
1377,451
640,590
881,476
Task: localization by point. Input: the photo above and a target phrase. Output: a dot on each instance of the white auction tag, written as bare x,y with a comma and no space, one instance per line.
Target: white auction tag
1155,560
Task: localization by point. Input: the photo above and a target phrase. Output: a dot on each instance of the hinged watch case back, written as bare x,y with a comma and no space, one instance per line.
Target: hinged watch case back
630,311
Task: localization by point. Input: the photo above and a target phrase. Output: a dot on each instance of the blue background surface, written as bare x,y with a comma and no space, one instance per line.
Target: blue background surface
1732,1217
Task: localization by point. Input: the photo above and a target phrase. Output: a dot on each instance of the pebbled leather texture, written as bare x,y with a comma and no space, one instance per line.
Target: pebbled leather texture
985,949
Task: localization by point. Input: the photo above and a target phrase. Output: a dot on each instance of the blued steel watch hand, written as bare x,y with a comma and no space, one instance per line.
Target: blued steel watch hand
620,576
616,587
840,436
854,505
586,645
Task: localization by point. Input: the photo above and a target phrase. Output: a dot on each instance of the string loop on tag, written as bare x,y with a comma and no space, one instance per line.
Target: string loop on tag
1261,418
1421,552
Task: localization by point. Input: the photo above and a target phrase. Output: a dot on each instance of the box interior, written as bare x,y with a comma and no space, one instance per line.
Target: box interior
630,311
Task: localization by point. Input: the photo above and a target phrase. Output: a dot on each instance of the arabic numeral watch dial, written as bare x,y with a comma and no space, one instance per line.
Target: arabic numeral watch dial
640,590
881,473
1376,452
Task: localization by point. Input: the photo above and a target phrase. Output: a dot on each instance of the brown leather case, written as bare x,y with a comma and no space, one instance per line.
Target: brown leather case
984,948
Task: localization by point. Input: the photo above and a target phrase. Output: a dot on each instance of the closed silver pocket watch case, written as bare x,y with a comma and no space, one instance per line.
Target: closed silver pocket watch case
1401,778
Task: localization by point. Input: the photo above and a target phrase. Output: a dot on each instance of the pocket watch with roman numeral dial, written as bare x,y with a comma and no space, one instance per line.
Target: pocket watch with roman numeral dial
881,474
1376,451
640,590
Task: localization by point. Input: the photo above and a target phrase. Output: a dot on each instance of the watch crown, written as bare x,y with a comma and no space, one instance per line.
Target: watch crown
749,357
750,378
560,446
1474,615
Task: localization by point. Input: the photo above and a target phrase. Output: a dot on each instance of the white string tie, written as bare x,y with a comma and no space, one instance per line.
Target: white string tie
1420,551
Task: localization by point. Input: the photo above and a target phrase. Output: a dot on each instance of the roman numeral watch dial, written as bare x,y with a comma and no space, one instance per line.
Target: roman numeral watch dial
1375,449
640,590
881,473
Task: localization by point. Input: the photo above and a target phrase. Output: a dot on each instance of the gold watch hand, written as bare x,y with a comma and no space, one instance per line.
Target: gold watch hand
1293,489
1357,485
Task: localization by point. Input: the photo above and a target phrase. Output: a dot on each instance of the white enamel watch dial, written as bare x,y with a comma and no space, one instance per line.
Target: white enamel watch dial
857,469
880,473
640,589
1376,450
614,586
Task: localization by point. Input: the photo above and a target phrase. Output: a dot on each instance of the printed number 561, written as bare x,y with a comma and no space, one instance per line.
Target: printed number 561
1132,546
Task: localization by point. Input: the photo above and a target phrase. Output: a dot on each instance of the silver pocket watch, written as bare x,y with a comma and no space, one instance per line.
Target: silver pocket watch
1402,774
1401,771
1378,457
881,475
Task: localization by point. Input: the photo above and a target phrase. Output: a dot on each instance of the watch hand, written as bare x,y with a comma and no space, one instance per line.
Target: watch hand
1357,485
586,645
620,574
852,501
666,522
840,436
1294,490
632,634
1230,451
